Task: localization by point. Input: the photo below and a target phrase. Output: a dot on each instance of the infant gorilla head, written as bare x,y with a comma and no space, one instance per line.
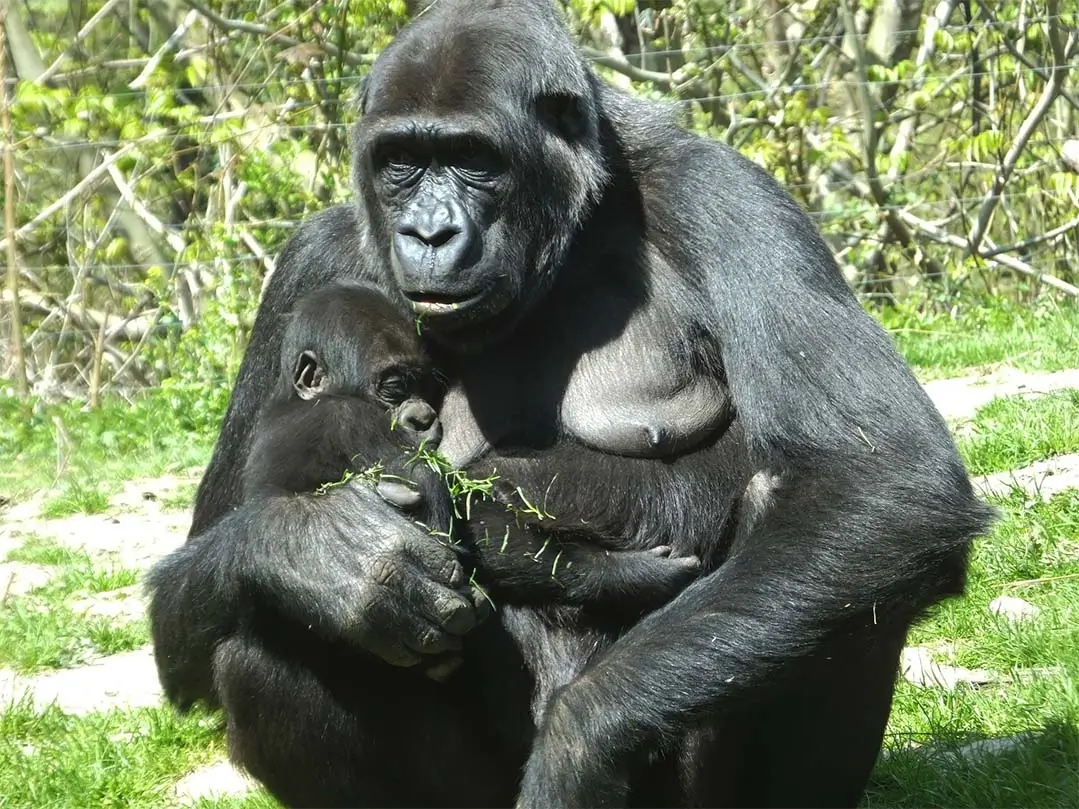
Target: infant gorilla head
355,390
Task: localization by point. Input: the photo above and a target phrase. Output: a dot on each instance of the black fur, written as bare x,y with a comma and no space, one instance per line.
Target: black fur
583,270
371,413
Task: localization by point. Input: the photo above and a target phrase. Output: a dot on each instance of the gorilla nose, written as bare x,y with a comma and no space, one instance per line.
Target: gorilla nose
418,417
433,236
434,243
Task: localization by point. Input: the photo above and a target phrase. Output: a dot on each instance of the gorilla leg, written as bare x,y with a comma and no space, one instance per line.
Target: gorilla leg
790,750
322,728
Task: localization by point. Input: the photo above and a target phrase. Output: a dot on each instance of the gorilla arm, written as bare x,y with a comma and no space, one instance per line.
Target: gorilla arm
343,564
866,521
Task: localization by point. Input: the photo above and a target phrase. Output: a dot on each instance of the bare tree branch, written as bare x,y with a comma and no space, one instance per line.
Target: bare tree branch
1026,129
264,31
17,349
139,81
934,233
84,32
91,179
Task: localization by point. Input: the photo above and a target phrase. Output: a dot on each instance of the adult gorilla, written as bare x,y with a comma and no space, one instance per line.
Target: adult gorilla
583,269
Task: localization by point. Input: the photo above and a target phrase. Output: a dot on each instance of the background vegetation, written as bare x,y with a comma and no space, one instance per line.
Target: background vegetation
158,153
161,153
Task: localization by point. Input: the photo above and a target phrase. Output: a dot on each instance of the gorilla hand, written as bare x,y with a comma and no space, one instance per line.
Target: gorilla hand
356,570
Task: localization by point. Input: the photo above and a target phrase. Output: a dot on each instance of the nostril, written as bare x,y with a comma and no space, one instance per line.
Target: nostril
414,423
443,236
432,238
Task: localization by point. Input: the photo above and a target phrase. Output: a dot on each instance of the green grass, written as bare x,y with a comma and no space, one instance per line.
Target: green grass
39,630
1040,338
1032,554
37,550
75,497
1013,432
78,455
37,635
1037,773
114,759
181,498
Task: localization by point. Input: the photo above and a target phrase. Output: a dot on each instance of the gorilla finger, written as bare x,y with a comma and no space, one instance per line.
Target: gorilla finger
661,550
438,561
441,670
688,562
397,655
447,609
481,601
429,640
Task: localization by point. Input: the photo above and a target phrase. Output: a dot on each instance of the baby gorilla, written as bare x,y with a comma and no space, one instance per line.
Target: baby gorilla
356,393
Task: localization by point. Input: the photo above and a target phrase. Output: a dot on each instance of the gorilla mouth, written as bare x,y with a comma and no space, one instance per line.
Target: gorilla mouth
431,305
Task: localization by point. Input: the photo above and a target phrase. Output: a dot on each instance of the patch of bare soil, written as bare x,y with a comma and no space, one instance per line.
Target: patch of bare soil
960,397
127,680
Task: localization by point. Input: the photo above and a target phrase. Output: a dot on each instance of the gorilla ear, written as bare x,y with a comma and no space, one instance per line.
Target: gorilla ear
564,113
361,95
308,378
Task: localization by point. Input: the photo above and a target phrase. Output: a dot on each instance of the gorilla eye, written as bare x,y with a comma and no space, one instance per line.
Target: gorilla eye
476,161
398,163
393,389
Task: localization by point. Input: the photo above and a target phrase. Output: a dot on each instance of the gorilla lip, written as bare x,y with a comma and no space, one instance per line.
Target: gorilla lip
435,305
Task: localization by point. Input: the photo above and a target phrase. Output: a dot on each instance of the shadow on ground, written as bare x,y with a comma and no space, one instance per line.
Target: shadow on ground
1039,768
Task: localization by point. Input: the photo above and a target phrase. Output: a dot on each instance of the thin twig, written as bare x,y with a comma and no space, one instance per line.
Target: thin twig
1031,582
86,183
870,140
1026,129
17,350
935,234
1033,241
264,31
127,193
99,352
159,54
907,127
79,37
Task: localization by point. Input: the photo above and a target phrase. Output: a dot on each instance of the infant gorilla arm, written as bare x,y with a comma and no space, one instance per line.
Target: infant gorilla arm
353,396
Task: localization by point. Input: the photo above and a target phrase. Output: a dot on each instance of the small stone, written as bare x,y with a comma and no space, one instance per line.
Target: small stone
1014,609
218,780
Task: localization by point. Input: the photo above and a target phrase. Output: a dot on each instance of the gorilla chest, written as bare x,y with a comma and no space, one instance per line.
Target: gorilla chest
645,390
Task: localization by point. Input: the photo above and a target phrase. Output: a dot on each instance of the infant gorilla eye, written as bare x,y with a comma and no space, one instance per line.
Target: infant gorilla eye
393,389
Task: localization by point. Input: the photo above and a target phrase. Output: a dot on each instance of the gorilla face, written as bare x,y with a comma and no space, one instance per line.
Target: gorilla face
477,159
347,339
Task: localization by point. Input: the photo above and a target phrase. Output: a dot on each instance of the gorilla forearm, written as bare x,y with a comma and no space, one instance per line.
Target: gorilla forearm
192,608
343,566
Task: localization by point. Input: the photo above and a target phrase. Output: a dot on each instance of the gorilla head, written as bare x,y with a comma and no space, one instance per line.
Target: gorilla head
347,339
477,157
